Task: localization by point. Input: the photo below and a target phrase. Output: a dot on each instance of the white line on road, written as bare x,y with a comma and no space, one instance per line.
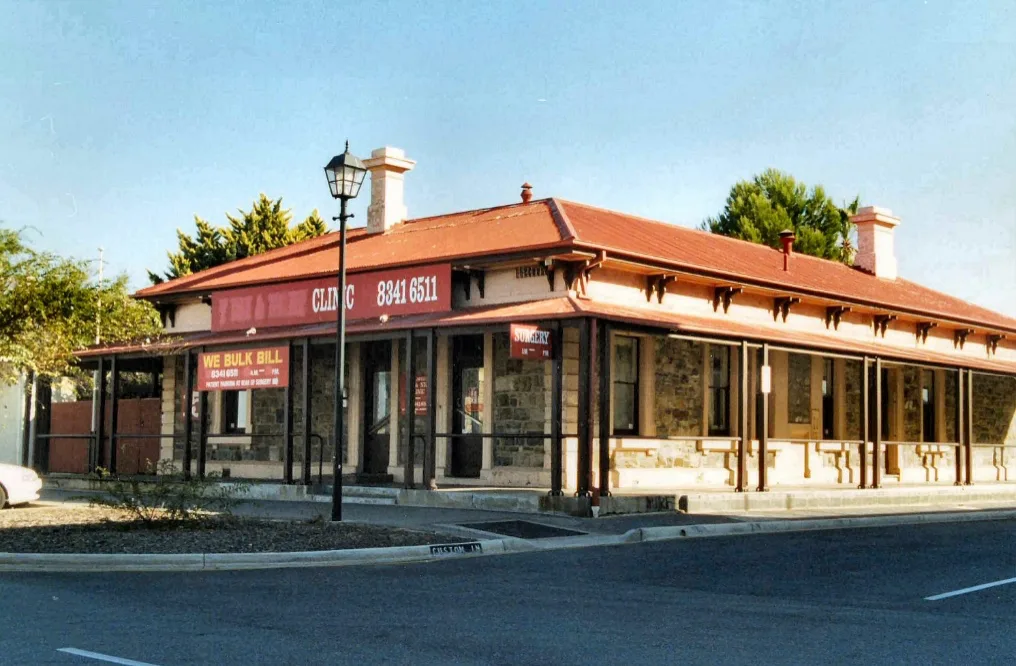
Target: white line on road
967,590
103,657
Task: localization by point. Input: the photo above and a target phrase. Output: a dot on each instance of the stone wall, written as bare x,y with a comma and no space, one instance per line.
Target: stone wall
521,405
949,435
671,455
994,409
912,408
799,388
680,391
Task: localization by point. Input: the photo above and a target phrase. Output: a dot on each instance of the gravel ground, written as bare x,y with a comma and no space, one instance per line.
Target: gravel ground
84,529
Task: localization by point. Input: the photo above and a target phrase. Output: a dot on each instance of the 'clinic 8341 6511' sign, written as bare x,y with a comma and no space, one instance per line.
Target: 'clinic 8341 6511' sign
396,292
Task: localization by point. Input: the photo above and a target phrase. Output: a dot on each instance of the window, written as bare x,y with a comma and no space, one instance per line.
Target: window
828,399
235,407
719,390
626,386
928,406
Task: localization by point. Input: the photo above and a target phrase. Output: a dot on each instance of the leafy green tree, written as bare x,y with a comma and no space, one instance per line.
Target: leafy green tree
266,226
758,210
51,306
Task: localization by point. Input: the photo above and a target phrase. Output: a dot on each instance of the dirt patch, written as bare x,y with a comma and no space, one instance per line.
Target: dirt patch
84,529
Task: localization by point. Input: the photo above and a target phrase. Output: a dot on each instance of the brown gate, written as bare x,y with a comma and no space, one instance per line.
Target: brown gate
137,416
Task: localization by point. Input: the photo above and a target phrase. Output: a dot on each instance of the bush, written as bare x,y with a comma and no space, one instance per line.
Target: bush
170,496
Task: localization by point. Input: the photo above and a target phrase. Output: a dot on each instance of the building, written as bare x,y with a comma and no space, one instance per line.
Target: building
551,344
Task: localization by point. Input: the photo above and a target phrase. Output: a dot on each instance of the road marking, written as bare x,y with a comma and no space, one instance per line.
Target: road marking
103,657
967,590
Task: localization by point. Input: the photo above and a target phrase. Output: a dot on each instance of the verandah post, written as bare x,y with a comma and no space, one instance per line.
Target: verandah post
556,408
287,424
99,415
876,452
114,412
763,437
865,421
586,344
305,401
188,416
430,449
409,400
604,407
960,434
742,419
970,428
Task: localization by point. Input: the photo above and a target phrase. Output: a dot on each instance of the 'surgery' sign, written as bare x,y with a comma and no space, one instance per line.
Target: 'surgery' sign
530,342
396,292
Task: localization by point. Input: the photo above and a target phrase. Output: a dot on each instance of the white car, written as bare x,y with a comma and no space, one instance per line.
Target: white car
18,485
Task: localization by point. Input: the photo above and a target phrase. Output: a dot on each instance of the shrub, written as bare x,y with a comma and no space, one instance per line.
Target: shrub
170,495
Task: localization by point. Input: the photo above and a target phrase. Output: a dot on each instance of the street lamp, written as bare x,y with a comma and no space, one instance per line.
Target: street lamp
345,175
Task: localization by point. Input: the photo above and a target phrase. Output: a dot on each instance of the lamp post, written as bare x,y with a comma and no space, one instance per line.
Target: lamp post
345,175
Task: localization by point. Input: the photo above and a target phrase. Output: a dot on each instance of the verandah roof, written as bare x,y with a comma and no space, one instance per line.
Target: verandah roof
563,308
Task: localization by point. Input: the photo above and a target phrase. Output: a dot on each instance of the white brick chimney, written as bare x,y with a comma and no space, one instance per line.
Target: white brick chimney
876,253
387,208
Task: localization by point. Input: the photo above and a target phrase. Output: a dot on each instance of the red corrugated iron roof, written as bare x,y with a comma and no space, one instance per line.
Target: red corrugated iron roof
552,223
426,240
704,252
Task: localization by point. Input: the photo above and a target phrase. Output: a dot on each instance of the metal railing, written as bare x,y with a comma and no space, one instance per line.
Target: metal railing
42,457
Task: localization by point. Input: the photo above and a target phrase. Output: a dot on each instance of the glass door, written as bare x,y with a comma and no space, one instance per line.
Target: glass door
467,399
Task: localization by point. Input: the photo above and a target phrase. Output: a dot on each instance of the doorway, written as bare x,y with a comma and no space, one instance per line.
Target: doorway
467,404
377,383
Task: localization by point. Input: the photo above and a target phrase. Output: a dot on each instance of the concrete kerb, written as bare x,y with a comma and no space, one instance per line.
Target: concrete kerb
645,534
235,561
40,562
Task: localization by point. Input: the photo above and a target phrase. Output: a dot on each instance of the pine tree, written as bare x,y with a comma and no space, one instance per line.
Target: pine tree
266,226
759,209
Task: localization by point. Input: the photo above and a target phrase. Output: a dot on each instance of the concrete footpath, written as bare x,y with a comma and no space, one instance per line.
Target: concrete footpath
474,533
718,501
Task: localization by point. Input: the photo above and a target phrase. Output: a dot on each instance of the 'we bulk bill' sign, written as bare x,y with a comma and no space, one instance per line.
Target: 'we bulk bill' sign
241,369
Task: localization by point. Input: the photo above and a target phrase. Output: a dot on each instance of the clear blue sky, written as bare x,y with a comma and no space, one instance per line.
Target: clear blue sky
121,120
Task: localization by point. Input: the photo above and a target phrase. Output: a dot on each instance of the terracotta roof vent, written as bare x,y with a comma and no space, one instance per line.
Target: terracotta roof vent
527,192
787,238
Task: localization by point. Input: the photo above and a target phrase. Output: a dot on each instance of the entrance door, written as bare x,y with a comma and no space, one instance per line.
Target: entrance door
377,383
467,401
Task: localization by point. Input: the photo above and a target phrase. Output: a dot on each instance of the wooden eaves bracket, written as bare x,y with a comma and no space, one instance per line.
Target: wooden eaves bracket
834,315
960,337
657,285
724,296
881,323
467,281
782,305
923,328
992,343
167,313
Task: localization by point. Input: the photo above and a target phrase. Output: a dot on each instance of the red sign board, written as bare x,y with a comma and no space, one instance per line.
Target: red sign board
241,369
531,342
397,292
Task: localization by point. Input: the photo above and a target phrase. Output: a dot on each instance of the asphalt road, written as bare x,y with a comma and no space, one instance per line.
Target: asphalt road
850,596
